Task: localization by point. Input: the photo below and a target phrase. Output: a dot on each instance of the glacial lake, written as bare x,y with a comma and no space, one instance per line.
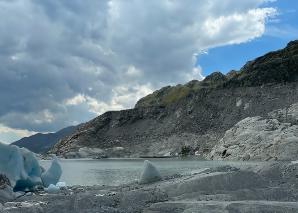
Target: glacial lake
113,172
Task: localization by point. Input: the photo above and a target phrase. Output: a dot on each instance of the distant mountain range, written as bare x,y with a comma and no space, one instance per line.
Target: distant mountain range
41,143
195,117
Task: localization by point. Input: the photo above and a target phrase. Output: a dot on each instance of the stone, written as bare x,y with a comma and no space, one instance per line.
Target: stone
4,181
260,138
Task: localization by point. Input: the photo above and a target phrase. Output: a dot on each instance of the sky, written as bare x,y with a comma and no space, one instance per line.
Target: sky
65,62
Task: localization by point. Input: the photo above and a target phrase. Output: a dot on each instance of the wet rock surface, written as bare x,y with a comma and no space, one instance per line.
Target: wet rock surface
266,187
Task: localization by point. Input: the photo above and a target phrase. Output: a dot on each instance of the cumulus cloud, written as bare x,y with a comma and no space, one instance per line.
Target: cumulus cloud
121,98
64,62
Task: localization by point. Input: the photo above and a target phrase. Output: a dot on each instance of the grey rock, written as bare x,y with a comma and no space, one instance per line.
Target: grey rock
224,207
6,194
4,181
261,138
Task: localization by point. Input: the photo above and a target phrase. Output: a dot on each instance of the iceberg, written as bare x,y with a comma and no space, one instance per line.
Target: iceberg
52,189
11,163
22,168
31,172
61,185
53,174
150,173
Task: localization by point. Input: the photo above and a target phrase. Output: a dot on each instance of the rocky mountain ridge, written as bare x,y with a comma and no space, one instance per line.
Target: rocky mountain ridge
41,143
196,114
272,68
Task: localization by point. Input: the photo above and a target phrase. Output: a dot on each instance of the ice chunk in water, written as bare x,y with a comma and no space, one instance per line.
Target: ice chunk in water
23,170
52,189
20,166
150,173
61,184
32,172
53,174
11,163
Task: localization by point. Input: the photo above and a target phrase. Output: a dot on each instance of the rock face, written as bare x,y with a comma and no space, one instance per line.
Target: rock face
196,114
259,138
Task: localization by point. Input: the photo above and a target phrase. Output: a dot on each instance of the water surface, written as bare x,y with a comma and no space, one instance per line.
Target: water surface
113,172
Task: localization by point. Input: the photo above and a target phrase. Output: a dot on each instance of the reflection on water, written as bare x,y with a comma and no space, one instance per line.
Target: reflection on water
114,172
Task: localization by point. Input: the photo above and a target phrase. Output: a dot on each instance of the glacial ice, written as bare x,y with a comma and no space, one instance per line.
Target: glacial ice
52,189
32,172
61,185
22,168
11,163
53,174
150,173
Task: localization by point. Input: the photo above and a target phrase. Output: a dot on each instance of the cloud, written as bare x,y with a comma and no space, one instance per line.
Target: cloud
122,97
76,100
64,62
9,135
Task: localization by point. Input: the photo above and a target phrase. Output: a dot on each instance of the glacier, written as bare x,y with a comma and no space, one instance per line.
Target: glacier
22,168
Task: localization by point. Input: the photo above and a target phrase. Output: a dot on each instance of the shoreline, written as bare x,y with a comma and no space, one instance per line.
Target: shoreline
264,188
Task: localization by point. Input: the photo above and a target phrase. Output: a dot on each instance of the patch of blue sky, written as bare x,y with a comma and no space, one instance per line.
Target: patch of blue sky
279,31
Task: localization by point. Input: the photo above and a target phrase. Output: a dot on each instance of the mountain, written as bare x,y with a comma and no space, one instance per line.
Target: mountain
42,143
193,117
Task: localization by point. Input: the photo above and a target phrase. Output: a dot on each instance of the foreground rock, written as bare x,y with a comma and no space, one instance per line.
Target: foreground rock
6,191
270,187
274,137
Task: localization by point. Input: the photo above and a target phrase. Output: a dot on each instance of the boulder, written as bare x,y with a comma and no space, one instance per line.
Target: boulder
6,192
4,181
261,138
